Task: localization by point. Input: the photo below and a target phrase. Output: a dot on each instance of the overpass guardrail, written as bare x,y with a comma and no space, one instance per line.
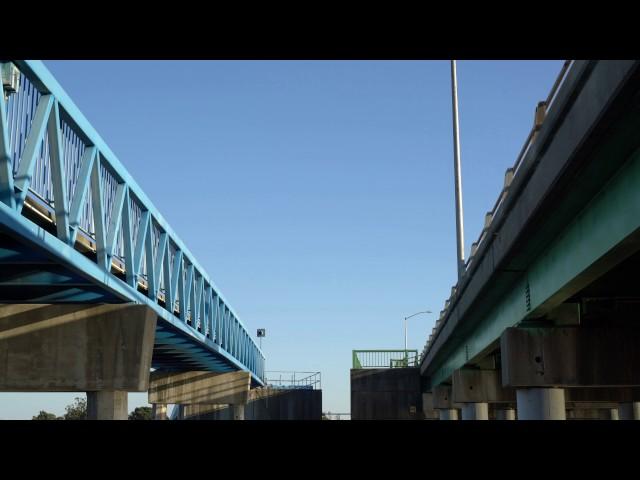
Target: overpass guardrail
291,380
385,358
542,110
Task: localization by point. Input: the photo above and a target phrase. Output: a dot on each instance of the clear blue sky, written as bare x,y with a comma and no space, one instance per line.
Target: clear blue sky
318,195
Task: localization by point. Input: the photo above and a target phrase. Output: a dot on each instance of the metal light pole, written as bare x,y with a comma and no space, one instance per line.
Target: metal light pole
405,327
457,173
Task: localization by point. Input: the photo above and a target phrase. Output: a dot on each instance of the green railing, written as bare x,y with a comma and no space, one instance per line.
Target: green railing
385,358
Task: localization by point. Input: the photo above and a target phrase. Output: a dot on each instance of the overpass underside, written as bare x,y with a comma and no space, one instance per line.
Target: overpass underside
89,268
547,317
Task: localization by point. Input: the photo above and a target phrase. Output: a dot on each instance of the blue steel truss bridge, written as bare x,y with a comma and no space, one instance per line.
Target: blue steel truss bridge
75,227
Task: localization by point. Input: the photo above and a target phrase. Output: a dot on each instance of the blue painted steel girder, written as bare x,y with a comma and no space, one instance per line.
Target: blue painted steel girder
90,191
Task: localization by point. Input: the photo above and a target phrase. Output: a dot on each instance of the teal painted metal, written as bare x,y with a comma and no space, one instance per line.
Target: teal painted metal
116,202
88,160
6,175
602,226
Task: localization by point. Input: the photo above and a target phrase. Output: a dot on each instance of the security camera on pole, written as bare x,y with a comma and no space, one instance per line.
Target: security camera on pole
261,333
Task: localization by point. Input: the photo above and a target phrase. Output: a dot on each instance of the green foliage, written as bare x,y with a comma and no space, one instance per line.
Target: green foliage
77,410
46,416
141,413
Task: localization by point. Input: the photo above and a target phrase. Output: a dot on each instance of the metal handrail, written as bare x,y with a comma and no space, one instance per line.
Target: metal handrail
541,112
84,186
384,358
294,380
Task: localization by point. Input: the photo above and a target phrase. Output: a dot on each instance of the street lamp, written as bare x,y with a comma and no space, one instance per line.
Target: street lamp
405,326
457,172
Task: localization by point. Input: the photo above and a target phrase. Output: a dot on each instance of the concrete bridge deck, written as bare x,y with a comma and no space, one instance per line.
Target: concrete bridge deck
554,274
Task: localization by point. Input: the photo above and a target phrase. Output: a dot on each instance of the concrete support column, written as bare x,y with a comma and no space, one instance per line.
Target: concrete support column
541,404
159,411
238,411
506,414
107,405
475,411
448,413
629,411
180,415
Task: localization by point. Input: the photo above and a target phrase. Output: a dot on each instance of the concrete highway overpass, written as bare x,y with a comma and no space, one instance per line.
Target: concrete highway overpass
544,322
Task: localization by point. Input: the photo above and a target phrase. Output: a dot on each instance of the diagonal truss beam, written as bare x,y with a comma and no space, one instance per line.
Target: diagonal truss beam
185,283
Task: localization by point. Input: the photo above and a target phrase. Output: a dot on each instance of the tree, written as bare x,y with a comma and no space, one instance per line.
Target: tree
46,416
141,413
77,410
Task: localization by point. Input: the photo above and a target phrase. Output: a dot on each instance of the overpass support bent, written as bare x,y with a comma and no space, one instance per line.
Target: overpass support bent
476,389
551,365
104,350
199,390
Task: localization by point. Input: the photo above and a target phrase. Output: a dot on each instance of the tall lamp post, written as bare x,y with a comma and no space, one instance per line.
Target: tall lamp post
457,172
405,327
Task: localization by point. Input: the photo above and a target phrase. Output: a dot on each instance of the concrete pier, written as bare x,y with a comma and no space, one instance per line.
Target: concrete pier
107,405
475,411
541,404
159,411
506,414
429,413
629,411
448,414
238,412
444,404
181,412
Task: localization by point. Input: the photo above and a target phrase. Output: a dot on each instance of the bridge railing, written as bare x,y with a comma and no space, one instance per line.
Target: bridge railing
384,358
541,112
293,380
56,171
